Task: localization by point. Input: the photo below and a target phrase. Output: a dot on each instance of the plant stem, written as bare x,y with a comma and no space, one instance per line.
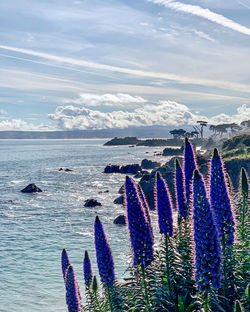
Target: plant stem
144,283
243,216
167,260
206,306
109,299
97,302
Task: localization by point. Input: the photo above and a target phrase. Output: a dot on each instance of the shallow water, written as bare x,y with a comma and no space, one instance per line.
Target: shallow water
35,227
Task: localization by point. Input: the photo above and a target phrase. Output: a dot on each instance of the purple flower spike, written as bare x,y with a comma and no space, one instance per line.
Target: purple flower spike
103,255
73,298
65,262
139,227
179,190
164,205
207,247
87,270
189,167
145,206
220,201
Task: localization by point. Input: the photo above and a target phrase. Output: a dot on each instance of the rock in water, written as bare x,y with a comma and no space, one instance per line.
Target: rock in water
120,220
31,188
91,203
149,164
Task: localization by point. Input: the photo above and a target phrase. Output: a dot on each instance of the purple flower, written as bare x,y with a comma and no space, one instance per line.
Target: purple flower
220,201
64,262
139,227
179,191
87,270
189,167
145,206
73,298
103,255
164,205
207,247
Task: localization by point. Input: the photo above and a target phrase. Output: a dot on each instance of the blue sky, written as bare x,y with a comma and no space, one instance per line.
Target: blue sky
88,64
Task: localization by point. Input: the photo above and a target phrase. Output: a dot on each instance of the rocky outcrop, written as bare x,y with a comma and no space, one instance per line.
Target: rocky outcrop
126,169
120,220
168,151
31,188
149,164
91,203
112,169
167,171
122,141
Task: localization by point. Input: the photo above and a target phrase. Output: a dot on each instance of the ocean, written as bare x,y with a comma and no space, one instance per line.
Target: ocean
34,228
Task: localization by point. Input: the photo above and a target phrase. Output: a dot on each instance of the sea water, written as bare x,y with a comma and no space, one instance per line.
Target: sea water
34,228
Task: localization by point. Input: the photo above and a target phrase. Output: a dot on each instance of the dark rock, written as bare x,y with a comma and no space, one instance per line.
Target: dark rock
120,220
31,188
233,167
122,141
112,169
126,169
106,191
119,200
92,203
168,151
132,169
149,164
66,170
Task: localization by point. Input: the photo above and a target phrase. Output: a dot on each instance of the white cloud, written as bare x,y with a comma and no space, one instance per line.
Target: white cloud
243,113
204,13
120,100
19,124
165,113
135,72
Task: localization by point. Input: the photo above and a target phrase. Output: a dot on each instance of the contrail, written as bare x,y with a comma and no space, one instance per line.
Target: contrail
141,73
204,13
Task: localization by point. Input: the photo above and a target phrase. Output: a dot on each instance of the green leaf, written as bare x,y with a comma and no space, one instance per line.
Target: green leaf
247,293
180,305
237,306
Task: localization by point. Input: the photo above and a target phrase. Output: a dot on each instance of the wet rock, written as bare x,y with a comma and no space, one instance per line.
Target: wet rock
168,151
126,169
119,200
66,170
132,169
31,188
112,169
91,203
120,220
149,164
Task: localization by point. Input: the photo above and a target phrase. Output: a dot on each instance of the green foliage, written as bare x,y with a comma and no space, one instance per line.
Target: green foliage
167,284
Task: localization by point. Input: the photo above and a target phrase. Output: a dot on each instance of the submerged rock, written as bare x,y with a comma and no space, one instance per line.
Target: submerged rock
31,188
91,203
120,220
66,170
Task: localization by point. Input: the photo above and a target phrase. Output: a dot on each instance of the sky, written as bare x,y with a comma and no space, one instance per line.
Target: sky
91,64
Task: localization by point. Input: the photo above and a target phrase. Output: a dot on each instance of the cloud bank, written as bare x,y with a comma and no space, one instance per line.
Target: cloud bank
164,113
204,13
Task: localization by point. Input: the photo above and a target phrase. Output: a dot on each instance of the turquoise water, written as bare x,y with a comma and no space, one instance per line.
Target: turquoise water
34,228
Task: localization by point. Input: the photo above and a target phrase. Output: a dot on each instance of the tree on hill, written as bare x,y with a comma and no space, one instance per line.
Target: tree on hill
178,133
202,124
